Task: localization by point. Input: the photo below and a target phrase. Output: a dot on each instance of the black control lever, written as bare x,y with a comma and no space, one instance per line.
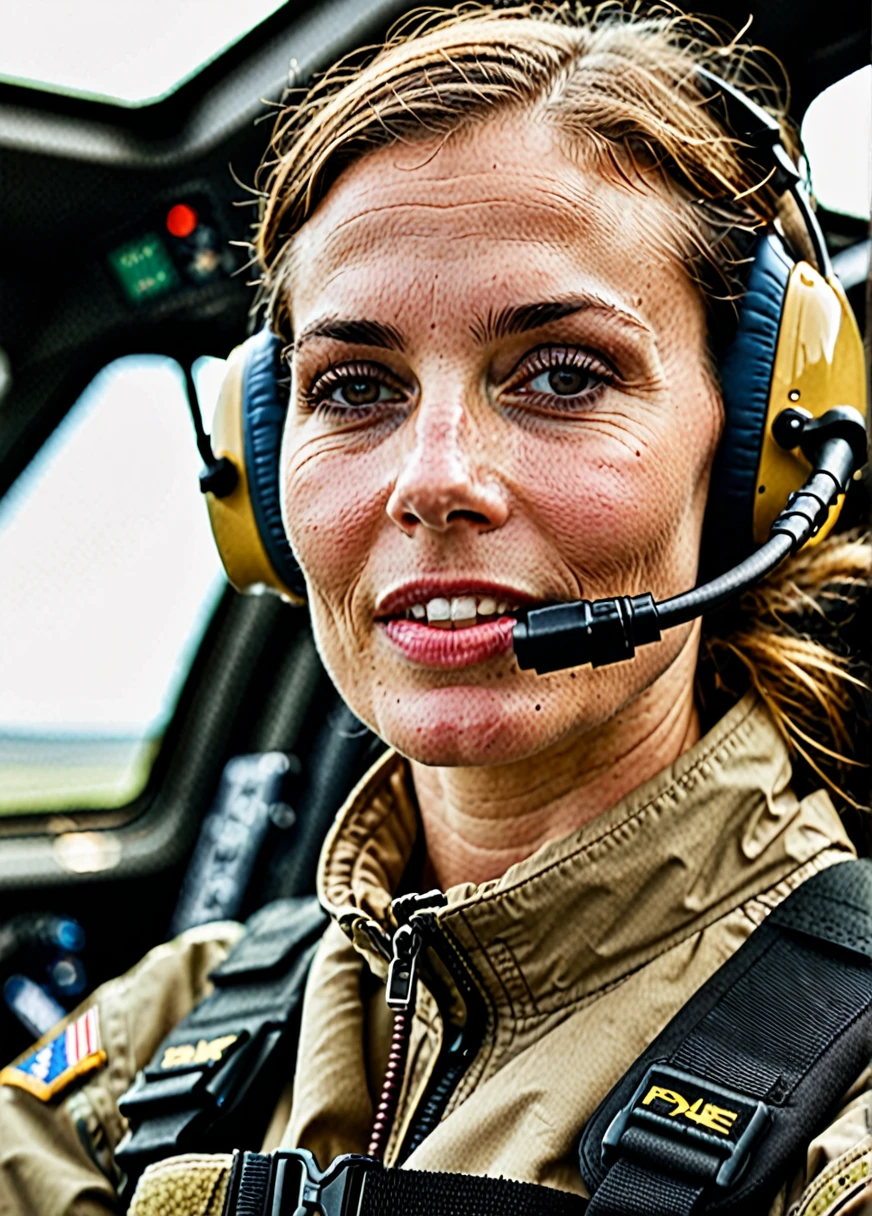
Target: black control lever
606,631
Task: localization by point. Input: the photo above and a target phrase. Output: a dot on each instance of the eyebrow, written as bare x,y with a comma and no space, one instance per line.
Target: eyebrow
518,318
513,319
354,332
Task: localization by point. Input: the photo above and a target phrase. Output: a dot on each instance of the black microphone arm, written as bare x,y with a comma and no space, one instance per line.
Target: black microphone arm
608,631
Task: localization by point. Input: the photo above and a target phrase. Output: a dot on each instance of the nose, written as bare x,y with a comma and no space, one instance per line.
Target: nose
438,485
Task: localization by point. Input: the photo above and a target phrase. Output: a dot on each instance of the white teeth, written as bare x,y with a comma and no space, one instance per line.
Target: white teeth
439,613
463,610
459,612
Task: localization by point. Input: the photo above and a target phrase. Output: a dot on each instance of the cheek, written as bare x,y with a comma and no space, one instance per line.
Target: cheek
332,500
624,496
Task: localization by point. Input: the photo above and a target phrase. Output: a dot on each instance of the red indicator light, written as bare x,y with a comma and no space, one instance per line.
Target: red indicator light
181,220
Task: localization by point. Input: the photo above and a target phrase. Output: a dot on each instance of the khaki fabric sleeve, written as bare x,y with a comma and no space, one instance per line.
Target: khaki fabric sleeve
838,1173
56,1156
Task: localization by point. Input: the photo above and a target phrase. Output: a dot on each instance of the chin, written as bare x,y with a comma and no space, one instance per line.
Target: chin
463,725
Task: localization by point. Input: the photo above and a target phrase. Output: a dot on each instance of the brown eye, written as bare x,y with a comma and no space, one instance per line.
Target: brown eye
351,389
566,381
361,391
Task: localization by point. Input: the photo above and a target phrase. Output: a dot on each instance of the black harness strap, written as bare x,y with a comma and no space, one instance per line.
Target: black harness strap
291,1184
720,1107
712,1118
212,1084
415,1193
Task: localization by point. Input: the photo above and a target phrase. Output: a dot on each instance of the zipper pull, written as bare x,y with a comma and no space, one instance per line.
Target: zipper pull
404,907
406,945
402,971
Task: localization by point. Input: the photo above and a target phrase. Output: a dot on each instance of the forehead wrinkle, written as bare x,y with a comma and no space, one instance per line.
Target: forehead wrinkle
368,228
453,204
334,225
345,231
342,253
571,188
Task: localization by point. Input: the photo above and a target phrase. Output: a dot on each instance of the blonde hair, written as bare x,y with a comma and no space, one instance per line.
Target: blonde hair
619,83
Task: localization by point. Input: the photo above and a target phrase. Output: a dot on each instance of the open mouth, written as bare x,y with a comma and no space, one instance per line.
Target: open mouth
460,627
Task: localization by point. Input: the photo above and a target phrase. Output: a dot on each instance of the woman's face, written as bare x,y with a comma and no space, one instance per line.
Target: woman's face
500,398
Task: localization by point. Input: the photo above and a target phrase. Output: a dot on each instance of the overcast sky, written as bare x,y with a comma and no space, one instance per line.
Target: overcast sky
837,134
132,50
110,570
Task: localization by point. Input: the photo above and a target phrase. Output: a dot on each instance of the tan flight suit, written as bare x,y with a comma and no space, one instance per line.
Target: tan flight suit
582,954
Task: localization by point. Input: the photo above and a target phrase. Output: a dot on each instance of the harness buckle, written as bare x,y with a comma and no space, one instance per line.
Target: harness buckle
681,1123
297,1187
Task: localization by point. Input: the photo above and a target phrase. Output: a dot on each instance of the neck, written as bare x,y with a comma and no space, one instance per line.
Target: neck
478,821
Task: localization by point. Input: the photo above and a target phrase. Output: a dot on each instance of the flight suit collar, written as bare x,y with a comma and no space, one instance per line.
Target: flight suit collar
708,833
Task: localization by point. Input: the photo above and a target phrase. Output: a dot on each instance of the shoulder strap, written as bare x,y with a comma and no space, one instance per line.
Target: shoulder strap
714,1114
212,1083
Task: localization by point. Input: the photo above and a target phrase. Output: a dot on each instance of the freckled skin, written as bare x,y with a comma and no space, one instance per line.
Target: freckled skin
465,470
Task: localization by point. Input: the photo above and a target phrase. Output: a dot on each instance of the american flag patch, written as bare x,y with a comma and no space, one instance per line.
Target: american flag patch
55,1062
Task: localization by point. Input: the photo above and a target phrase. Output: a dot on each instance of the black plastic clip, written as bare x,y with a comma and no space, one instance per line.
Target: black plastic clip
289,1183
675,1118
585,631
795,428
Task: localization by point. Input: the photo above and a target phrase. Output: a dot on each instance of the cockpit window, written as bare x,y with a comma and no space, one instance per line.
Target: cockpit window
837,136
130,54
110,579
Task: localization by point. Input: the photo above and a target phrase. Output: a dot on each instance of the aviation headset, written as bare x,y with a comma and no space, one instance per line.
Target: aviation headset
796,355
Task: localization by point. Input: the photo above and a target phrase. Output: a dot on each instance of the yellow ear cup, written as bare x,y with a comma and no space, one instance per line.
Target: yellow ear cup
232,518
819,363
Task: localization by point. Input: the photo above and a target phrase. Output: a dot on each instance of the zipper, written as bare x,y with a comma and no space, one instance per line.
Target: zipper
400,995
417,927
461,1040
402,983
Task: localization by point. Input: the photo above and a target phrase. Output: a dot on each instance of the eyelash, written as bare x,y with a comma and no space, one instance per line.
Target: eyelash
551,358
536,363
317,396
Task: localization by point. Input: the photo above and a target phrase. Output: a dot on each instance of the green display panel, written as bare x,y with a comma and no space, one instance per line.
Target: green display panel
144,268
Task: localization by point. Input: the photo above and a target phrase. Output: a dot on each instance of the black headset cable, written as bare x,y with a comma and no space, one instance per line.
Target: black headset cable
219,476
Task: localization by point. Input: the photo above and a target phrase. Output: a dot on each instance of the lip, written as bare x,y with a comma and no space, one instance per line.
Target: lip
420,590
449,648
